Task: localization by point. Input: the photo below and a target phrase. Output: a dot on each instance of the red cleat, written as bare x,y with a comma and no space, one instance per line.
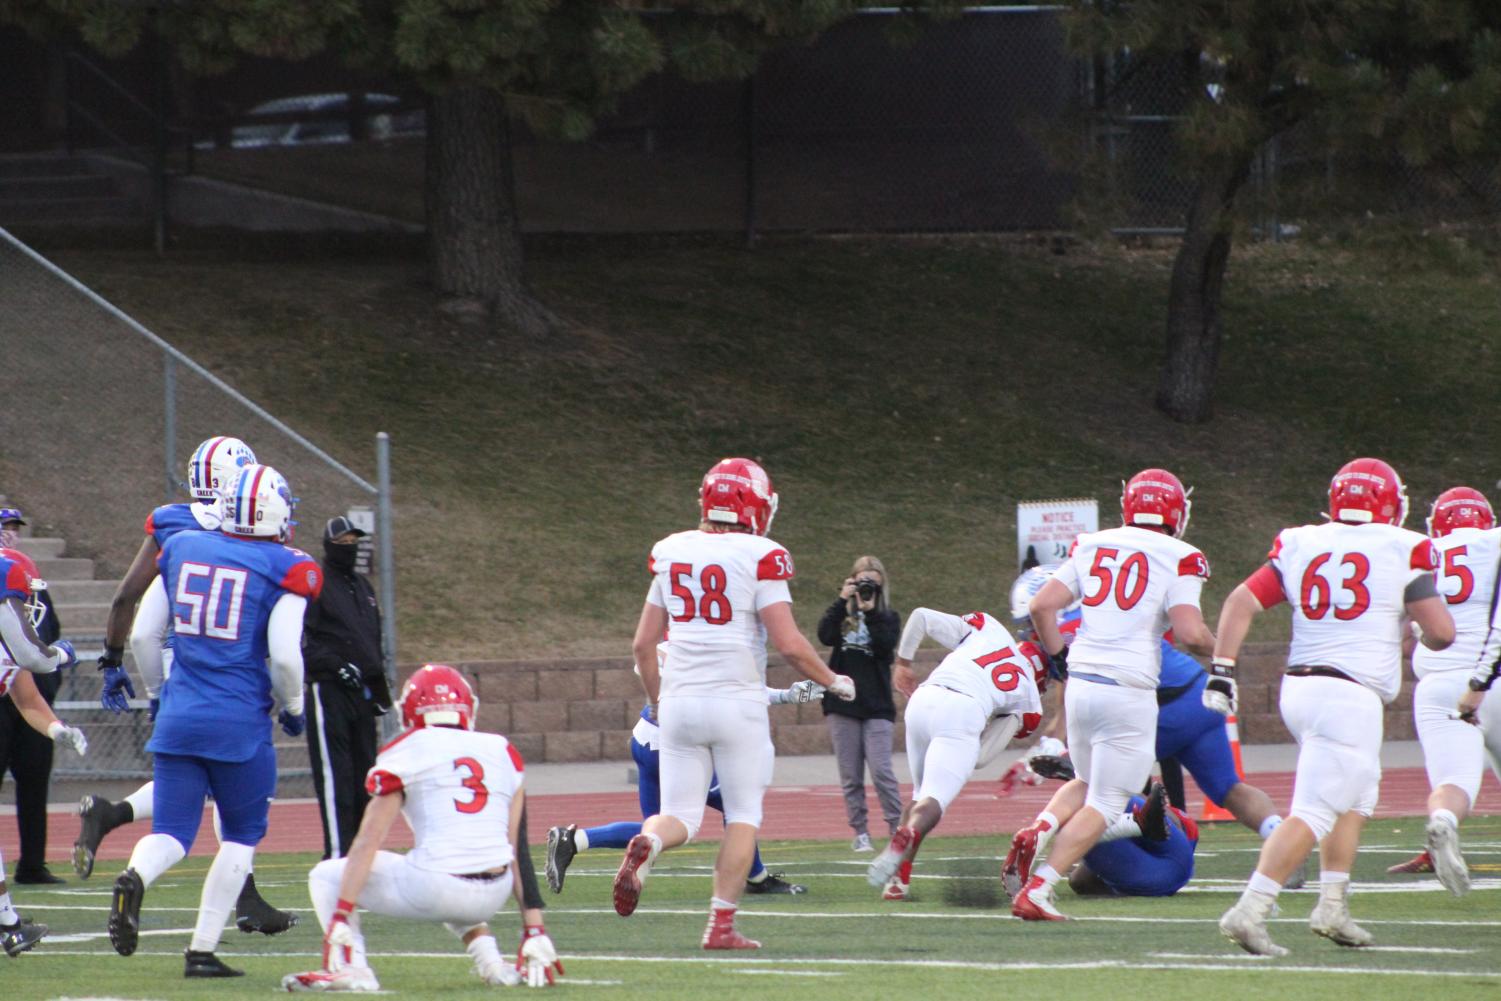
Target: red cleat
627,882
1035,903
1422,863
726,937
1017,868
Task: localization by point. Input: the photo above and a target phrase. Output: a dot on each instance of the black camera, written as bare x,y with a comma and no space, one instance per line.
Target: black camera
867,589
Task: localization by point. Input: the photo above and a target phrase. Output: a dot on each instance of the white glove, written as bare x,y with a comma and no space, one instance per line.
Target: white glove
62,733
843,688
337,942
804,691
539,957
1220,691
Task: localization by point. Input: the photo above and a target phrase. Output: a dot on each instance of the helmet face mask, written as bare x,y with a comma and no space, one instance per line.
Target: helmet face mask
1459,507
1367,491
215,465
1156,499
36,610
438,695
260,505
738,492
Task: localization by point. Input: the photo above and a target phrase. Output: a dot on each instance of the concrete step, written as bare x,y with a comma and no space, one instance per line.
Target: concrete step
74,211
65,569
60,186
42,166
42,548
82,619
82,592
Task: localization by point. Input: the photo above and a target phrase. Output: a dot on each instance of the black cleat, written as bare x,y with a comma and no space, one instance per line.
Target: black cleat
125,912
41,876
774,883
560,852
1151,816
22,935
206,964
99,817
252,914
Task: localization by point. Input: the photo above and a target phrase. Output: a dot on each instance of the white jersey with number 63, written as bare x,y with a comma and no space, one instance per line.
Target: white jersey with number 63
713,586
458,786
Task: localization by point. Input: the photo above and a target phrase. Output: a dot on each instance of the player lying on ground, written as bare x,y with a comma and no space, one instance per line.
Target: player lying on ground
461,793
211,472
981,695
236,607
1462,527
1146,852
565,843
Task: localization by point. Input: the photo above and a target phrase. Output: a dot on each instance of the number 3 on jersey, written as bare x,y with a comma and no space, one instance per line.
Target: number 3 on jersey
475,783
713,607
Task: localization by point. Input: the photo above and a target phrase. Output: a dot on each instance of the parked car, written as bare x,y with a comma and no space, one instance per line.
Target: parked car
320,119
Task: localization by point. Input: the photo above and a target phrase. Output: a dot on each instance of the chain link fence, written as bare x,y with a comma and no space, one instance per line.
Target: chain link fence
122,412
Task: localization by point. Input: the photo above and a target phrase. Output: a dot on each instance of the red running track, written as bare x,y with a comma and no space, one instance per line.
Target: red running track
812,812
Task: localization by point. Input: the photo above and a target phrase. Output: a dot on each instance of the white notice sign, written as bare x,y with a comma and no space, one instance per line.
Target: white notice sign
1045,530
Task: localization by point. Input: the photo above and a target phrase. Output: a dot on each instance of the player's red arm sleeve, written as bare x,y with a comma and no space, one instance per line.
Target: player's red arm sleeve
15,583
775,565
151,523
382,783
516,758
1030,722
975,620
1193,565
304,578
1424,556
1266,585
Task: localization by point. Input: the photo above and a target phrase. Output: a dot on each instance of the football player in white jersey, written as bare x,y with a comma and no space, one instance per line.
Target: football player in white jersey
461,793
1351,583
1462,526
986,691
723,590
1132,583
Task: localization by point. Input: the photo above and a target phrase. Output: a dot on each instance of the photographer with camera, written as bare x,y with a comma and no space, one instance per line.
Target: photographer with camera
862,629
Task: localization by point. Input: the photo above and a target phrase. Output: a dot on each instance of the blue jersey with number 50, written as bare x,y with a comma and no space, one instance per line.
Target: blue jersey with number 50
222,589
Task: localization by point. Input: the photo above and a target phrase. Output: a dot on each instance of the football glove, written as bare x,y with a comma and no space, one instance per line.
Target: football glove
117,691
152,708
349,677
804,691
337,942
69,736
1219,692
538,958
70,658
843,688
1058,664
292,725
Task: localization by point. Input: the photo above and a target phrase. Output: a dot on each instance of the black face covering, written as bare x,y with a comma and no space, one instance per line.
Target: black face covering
340,556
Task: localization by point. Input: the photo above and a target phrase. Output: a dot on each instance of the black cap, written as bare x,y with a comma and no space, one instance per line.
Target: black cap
338,525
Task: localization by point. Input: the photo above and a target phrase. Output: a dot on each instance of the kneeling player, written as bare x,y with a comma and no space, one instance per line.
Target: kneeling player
461,793
982,694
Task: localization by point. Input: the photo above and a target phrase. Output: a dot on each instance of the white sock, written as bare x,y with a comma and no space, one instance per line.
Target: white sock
1049,819
717,904
1121,827
483,950
1262,883
140,801
1047,874
8,915
1445,816
221,888
580,840
1269,825
155,854
1330,878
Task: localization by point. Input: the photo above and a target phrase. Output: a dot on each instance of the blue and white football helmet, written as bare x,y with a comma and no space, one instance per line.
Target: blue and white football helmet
214,466
259,504
1025,588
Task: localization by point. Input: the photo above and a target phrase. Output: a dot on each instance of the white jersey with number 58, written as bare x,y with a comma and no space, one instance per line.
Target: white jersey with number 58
1127,579
713,586
984,664
1467,567
1348,587
458,786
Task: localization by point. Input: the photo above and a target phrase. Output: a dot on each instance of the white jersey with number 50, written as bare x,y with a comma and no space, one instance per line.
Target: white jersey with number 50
713,586
1347,585
984,664
458,786
1127,579
1467,567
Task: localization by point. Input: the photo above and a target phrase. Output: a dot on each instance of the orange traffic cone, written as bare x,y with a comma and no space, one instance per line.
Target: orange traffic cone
1213,812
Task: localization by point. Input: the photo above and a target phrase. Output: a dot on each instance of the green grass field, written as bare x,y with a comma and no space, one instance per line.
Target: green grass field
956,940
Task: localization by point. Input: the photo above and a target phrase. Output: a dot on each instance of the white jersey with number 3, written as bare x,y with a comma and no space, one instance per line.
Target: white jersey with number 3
984,663
1347,586
713,586
1467,568
458,786
1127,579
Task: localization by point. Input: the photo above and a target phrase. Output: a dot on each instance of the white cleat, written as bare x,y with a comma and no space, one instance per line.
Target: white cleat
1448,863
1331,919
1247,929
349,978
501,974
886,864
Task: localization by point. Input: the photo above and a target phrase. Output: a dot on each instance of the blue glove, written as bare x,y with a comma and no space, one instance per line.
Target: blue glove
117,688
154,708
291,725
69,657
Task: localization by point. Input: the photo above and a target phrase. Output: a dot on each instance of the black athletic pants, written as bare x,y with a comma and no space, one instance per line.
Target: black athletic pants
341,745
28,756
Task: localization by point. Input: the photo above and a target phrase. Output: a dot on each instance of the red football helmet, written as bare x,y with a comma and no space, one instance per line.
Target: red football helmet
1037,661
31,582
1366,491
438,695
738,492
1459,507
1155,498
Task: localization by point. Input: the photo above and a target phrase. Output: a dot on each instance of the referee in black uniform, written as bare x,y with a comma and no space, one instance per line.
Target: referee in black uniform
346,686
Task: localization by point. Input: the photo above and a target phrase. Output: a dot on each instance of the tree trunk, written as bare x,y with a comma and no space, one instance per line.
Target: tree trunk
1185,391
474,236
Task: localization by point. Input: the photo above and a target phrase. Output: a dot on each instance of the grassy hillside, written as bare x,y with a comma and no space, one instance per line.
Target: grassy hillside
904,395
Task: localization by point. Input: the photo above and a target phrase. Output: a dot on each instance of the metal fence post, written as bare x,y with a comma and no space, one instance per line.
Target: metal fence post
169,421
386,550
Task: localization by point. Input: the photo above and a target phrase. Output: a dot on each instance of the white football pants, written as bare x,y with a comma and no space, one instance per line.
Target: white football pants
702,737
1338,726
1454,751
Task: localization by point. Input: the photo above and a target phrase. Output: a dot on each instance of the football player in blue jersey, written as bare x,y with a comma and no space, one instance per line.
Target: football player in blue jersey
1131,862
211,471
233,599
